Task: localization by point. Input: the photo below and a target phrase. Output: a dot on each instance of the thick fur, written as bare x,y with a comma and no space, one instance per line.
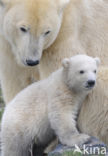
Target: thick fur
84,29
47,108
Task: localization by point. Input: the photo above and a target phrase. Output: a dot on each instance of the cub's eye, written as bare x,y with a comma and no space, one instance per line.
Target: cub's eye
23,29
94,71
81,72
47,32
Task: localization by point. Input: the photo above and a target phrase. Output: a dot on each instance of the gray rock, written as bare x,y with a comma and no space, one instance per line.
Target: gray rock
93,147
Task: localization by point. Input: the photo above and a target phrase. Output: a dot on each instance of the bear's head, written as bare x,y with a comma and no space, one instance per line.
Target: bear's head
79,72
30,26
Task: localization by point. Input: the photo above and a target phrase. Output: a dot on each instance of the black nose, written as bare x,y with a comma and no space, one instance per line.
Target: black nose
91,83
32,63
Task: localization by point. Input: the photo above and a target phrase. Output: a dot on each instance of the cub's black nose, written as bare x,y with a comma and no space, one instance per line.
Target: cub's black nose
32,63
91,83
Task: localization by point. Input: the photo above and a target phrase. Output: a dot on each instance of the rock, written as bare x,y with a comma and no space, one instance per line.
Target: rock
94,147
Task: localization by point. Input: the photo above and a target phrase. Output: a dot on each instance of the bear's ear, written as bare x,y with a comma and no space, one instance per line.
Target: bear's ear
66,62
97,61
62,4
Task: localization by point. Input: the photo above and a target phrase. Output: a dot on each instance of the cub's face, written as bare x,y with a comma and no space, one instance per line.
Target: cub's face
30,26
81,72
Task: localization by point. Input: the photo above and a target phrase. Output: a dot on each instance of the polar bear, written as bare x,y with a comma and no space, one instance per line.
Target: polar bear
49,107
83,28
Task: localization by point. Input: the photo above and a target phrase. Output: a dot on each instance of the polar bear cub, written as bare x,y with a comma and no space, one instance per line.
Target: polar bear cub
49,108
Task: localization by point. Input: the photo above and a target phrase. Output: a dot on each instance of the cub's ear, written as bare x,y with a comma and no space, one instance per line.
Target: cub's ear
66,62
97,61
62,4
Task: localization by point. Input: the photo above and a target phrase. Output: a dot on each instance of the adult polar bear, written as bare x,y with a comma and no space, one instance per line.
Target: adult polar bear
29,27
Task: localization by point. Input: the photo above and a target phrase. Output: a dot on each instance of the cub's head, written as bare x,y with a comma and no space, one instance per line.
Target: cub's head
80,72
30,26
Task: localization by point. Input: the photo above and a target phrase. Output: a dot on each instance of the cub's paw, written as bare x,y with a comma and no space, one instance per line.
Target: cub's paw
82,139
76,139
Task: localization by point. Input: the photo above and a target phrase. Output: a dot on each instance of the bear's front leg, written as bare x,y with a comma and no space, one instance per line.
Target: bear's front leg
63,122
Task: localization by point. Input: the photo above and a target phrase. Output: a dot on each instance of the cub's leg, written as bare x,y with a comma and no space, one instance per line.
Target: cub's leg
63,122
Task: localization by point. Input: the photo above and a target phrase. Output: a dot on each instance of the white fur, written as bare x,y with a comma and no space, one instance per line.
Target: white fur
84,29
47,108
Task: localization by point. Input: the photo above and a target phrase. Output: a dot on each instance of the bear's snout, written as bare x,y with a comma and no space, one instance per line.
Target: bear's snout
32,63
90,83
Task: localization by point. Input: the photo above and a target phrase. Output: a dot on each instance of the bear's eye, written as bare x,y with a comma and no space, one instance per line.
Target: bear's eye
81,71
23,29
47,32
94,71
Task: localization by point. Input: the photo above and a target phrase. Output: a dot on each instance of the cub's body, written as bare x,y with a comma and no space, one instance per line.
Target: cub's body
49,108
